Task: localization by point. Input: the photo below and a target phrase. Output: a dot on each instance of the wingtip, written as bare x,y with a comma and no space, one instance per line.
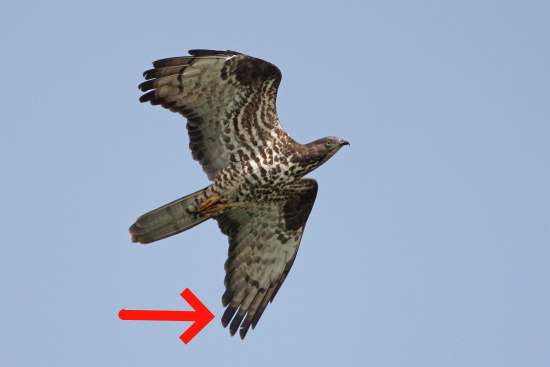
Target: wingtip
203,52
148,97
146,85
242,333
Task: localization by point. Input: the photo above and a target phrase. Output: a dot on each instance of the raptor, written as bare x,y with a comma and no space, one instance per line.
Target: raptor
258,194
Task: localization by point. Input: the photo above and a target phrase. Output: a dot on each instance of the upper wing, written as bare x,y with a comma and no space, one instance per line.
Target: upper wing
228,99
264,237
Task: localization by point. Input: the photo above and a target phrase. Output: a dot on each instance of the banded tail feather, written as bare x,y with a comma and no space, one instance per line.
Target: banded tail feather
166,221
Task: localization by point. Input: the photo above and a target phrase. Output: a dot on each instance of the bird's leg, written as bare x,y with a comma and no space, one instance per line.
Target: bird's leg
209,202
212,206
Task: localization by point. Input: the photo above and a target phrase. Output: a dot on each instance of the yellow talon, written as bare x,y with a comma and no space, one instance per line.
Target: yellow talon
211,206
209,202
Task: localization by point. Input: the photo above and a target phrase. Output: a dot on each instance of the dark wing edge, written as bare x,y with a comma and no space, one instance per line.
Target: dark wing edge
263,244
220,93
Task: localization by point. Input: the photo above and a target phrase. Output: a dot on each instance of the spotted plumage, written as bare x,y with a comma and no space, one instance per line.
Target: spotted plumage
258,194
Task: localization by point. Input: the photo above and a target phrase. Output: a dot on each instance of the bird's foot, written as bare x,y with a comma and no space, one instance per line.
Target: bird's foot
212,206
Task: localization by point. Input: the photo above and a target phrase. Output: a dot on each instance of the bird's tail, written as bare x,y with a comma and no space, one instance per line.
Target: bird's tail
168,220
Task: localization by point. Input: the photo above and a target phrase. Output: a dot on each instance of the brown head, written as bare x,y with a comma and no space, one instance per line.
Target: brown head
319,151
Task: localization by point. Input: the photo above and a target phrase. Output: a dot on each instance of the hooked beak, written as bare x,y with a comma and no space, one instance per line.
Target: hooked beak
344,142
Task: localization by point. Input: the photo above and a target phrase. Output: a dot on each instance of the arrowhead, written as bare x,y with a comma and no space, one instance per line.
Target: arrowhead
202,316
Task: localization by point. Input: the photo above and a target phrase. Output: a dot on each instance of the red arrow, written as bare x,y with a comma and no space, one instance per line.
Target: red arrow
202,315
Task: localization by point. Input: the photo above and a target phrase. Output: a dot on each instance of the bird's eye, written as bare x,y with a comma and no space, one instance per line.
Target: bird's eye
328,143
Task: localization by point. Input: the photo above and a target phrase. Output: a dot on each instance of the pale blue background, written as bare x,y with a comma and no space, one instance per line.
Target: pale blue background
429,241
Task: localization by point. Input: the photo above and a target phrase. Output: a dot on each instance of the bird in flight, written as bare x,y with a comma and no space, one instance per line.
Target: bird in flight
258,194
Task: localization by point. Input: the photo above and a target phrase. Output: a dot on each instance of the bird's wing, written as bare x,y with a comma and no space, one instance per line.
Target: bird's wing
264,236
228,99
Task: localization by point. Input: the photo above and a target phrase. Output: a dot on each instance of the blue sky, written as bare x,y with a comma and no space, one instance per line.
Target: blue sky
429,241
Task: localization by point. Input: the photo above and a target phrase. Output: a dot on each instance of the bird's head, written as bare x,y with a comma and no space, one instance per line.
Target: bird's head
330,145
323,149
